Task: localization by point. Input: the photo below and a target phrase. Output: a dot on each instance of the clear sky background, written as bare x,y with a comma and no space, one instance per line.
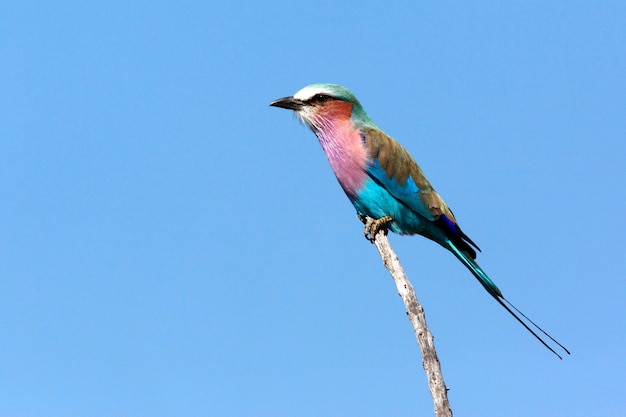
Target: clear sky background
172,246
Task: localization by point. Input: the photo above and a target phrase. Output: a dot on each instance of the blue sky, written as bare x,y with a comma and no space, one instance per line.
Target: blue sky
170,245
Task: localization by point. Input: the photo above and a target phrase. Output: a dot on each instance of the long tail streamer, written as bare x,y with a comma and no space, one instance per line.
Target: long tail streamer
495,292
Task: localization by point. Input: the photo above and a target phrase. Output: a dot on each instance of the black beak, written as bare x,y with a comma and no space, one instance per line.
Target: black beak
289,103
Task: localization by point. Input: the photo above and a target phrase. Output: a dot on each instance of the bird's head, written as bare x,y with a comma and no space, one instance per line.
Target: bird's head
320,106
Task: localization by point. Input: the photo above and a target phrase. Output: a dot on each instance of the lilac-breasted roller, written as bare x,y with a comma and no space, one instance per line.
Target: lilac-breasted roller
385,183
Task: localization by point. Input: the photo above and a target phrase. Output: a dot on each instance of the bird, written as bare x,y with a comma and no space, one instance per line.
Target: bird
383,182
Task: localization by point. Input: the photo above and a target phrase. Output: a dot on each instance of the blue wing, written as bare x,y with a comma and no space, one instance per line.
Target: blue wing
395,170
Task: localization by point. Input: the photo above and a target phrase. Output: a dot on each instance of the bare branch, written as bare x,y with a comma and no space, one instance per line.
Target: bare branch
416,316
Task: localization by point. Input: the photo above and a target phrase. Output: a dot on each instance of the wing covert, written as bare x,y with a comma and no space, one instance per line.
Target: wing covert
394,168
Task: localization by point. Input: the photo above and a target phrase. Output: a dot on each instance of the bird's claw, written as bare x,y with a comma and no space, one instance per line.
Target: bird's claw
374,226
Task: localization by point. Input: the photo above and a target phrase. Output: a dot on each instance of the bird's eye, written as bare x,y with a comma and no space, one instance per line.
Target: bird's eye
320,98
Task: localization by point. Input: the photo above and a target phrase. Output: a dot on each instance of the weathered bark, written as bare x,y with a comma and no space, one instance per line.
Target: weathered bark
416,316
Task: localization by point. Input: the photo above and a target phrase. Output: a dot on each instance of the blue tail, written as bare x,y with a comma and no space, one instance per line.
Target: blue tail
495,292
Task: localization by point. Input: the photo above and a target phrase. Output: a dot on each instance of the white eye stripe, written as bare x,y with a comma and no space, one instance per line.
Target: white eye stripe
307,93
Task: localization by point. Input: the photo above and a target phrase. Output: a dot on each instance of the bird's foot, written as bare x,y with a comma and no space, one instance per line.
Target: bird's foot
373,226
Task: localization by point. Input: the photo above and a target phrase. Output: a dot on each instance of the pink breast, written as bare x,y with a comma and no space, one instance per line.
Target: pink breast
343,146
